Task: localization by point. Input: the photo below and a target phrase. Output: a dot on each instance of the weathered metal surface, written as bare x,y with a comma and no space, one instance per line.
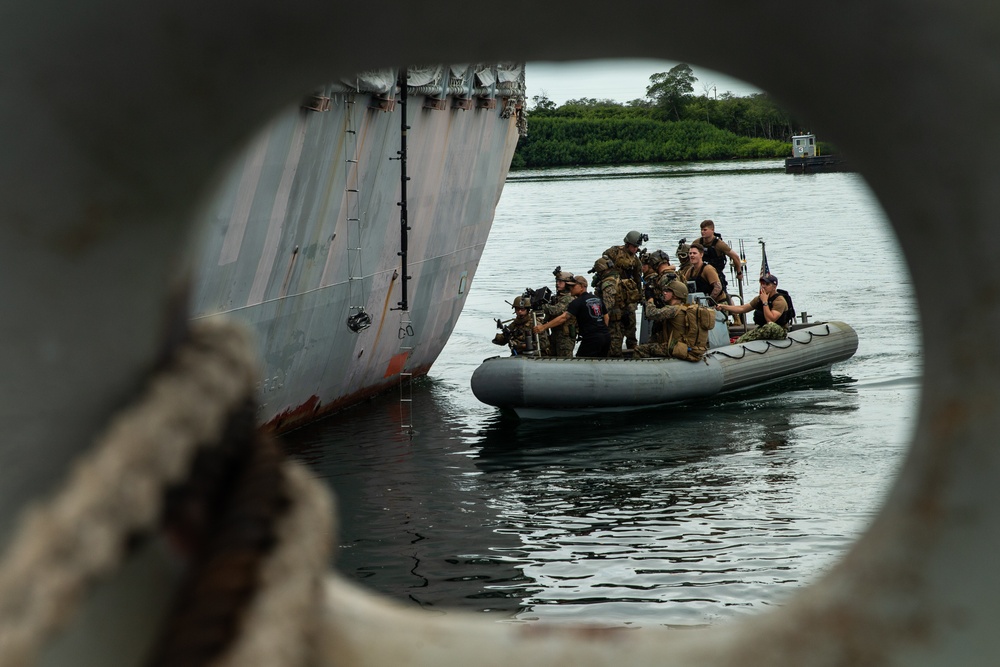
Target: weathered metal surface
305,230
313,408
117,114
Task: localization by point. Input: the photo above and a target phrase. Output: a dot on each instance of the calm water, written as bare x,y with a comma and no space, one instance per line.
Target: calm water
681,517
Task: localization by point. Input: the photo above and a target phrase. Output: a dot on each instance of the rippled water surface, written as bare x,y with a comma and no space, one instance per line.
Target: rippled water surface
678,517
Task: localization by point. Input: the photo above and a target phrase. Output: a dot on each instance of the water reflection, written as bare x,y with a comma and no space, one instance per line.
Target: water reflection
668,516
604,519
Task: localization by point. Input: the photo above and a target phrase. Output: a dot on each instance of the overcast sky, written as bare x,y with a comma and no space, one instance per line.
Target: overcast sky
619,80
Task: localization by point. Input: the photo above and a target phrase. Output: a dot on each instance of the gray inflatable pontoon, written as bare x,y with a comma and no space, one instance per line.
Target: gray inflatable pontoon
542,387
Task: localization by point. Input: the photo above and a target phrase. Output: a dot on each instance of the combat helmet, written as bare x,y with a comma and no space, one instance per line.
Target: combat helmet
682,249
679,289
658,257
564,276
665,279
602,264
635,238
520,301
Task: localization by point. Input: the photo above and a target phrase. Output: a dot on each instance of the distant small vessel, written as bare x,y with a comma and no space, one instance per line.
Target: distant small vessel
806,159
544,387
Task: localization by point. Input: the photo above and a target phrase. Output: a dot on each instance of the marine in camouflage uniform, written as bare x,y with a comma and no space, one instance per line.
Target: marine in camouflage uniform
521,338
662,315
629,268
562,339
663,267
682,255
649,275
607,285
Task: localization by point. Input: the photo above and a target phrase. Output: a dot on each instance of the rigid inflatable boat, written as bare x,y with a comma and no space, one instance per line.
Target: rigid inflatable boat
543,387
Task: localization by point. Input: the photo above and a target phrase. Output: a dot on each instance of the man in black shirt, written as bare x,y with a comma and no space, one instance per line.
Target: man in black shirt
591,320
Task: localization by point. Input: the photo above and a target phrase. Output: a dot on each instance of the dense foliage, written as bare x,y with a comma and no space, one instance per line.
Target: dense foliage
671,124
559,141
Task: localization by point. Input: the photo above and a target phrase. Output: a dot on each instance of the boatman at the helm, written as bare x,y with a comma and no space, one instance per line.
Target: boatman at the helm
629,267
772,310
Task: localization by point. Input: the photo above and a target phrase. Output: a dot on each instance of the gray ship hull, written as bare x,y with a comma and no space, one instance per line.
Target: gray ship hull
305,233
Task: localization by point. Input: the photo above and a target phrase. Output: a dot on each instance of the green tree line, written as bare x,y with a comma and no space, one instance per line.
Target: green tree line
671,124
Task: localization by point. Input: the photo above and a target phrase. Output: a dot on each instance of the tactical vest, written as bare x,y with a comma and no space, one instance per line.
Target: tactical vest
701,284
630,292
787,316
715,258
689,332
553,310
627,264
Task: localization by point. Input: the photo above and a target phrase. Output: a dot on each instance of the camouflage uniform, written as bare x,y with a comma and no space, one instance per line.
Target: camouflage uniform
562,339
607,285
521,337
629,267
769,331
659,339
649,276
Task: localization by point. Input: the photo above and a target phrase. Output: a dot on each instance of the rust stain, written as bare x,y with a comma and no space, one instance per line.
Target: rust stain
293,417
314,409
385,311
396,364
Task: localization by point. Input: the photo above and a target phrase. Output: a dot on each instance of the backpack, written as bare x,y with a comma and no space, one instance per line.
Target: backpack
611,293
693,343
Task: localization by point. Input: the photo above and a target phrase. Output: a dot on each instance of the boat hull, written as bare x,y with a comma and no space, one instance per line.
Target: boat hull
305,233
549,387
814,164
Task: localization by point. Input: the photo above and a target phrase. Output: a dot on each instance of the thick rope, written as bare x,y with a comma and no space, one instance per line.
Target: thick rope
117,489
280,629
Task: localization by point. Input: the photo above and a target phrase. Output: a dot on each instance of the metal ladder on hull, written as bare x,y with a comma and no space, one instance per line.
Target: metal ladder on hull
357,319
405,377
405,323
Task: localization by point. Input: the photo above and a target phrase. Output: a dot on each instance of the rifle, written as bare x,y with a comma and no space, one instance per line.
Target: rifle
505,331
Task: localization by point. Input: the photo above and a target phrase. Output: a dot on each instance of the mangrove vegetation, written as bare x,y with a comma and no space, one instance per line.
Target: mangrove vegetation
670,124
